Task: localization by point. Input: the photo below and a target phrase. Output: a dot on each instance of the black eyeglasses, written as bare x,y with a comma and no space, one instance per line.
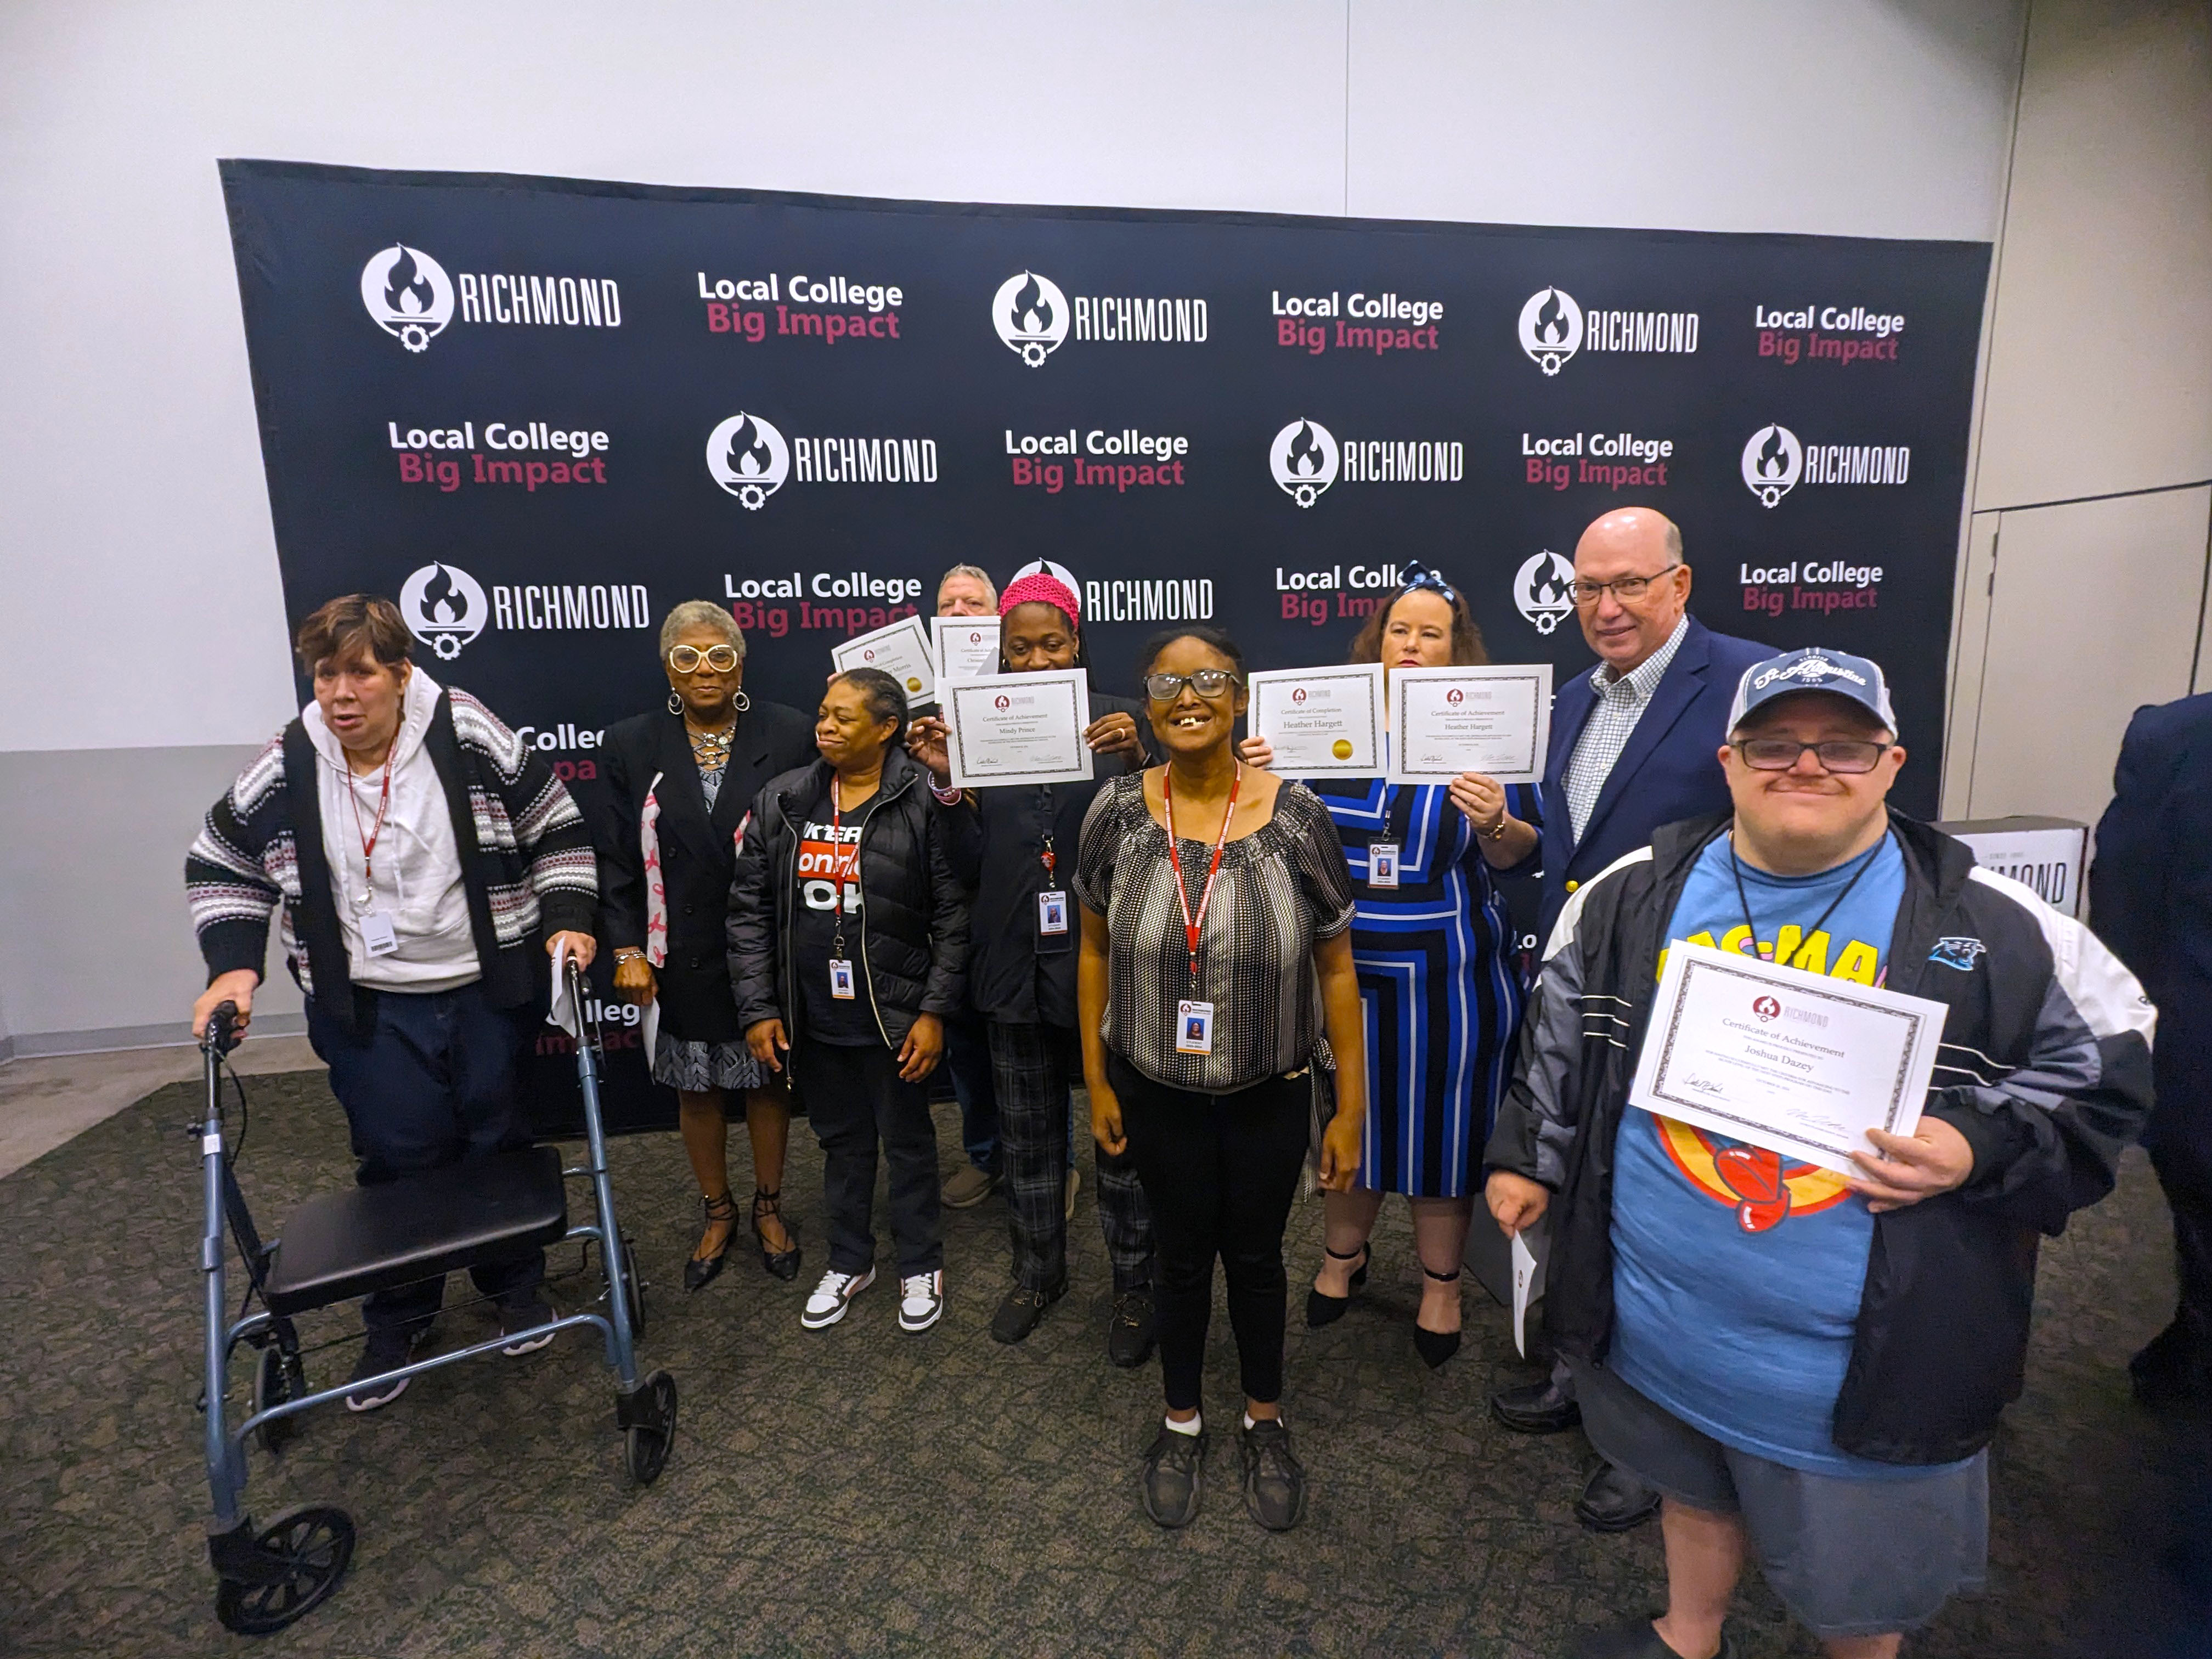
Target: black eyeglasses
1627,589
1207,682
1846,755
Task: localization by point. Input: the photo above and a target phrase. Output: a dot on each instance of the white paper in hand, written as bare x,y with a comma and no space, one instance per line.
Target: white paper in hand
564,1014
1527,1284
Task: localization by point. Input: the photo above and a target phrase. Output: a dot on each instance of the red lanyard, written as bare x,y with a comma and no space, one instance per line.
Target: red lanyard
383,802
846,861
1192,925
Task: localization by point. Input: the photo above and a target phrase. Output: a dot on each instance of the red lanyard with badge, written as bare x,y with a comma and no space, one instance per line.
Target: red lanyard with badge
841,965
376,932
1052,898
1194,1018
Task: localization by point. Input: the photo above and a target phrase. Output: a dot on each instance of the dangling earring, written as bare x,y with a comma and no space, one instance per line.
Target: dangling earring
740,701
675,703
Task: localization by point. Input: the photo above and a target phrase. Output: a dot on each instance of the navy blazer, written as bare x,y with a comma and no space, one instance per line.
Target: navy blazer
1667,771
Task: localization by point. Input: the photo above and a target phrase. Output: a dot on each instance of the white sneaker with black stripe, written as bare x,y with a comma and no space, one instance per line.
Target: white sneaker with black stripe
827,1305
921,1300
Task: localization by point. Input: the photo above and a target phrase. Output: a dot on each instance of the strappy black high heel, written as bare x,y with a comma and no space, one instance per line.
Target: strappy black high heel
699,1272
780,1264
1437,1346
1327,1309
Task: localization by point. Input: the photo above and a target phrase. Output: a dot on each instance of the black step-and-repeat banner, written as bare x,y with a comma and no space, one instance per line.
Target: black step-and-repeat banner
540,412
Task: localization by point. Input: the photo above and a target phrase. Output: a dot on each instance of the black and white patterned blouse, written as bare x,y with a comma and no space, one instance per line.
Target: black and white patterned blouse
1280,889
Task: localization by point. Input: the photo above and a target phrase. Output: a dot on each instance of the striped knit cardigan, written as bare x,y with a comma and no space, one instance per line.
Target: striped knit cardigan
527,862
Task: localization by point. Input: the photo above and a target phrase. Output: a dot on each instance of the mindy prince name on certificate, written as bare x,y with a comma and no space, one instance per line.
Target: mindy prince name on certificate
1322,723
901,651
1444,721
1019,728
1798,1063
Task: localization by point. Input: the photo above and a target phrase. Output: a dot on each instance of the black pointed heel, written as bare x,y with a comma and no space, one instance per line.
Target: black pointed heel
1327,1309
780,1264
1437,1346
699,1272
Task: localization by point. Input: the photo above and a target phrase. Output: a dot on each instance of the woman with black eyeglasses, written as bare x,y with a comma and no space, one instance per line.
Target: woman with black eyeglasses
1216,906
1433,944
681,779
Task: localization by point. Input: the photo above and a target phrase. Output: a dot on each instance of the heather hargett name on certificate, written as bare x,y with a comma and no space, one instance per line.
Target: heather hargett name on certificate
1495,720
1323,722
1795,1062
1018,728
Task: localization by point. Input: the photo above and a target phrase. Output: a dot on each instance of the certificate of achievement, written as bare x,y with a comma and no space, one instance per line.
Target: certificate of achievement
1798,1063
964,646
901,651
1444,721
1019,728
1323,722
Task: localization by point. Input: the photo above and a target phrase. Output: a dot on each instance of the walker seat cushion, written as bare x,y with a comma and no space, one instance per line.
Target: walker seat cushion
346,1244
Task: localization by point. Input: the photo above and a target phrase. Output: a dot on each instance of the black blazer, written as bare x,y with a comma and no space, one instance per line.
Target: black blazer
698,851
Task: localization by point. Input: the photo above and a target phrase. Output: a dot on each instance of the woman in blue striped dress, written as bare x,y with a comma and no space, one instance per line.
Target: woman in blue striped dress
1442,993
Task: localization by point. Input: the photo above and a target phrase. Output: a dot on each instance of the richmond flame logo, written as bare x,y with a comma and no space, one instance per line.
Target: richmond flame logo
444,607
1773,461
1550,329
1544,590
749,458
1303,458
408,295
1031,316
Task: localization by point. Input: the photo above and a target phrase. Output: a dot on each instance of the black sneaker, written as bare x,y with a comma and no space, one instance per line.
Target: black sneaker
1274,1481
1173,1466
385,1351
1129,1329
1017,1315
536,1311
1635,1641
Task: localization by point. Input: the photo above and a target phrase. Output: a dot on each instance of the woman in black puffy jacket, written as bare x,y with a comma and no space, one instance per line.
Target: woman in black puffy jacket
848,939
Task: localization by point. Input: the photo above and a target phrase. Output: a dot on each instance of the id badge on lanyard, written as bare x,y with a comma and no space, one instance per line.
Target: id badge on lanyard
841,965
1194,1018
841,978
1381,864
1194,1027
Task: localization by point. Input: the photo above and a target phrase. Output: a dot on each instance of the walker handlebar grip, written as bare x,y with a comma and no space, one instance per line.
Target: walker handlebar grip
222,1028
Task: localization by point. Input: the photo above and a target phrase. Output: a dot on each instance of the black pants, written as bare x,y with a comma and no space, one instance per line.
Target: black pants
852,1096
1220,1173
432,1081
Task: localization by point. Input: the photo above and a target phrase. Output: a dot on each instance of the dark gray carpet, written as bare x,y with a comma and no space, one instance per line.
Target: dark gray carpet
862,1491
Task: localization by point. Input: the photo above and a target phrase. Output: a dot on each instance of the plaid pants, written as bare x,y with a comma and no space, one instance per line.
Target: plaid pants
1033,1070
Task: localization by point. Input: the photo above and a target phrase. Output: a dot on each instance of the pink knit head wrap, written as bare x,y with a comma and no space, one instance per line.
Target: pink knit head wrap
1041,588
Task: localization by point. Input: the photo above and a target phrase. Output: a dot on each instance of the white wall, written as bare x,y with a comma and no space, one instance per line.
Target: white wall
136,513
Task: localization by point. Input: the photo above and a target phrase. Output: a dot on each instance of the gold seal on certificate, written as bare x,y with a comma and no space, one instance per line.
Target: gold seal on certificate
901,651
1495,720
1322,723
1798,1063
1019,728
964,646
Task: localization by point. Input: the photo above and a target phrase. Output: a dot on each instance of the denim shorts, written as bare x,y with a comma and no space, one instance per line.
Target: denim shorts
1847,1557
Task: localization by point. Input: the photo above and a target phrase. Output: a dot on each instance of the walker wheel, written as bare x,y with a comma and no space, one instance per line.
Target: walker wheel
311,1547
274,1382
646,1446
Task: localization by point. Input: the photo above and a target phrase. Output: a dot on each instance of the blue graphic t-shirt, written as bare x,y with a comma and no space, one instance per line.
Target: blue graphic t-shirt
1738,1272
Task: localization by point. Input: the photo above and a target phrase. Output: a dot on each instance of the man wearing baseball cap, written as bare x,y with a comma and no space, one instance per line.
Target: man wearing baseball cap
1808,1367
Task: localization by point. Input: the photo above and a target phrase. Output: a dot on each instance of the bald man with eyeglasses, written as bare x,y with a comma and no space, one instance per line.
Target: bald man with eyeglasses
1633,743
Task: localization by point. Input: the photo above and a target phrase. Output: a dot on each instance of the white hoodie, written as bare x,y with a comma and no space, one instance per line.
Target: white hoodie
417,866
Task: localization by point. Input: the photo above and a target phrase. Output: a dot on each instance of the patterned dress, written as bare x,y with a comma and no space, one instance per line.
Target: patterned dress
1437,984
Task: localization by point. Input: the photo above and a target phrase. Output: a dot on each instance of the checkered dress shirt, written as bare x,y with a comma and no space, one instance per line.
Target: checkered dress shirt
1620,704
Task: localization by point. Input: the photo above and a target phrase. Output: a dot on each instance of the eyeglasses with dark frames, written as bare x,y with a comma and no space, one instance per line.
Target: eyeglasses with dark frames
1627,589
1843,754
689,658
1207,682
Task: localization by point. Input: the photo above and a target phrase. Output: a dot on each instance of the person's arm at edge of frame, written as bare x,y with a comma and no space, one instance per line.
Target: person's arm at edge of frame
622,884
1526,1155
749,930
2130,881
226,886
1092,966
1347,1041
948,955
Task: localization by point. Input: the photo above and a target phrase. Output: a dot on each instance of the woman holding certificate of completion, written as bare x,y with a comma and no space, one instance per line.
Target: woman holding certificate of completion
1432,938
1214,898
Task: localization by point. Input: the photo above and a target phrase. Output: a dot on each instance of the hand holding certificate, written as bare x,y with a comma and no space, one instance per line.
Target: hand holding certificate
1019,728
901,651
1798,1063
1322,723
1494,720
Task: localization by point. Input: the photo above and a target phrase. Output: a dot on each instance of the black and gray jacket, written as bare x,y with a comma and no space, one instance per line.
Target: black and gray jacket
2045,1068
914,920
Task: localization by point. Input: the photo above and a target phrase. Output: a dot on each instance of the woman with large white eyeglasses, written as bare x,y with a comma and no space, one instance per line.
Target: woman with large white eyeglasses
681,779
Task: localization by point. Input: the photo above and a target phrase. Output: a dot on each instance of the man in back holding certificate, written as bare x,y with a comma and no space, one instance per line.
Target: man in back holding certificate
1809,1365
